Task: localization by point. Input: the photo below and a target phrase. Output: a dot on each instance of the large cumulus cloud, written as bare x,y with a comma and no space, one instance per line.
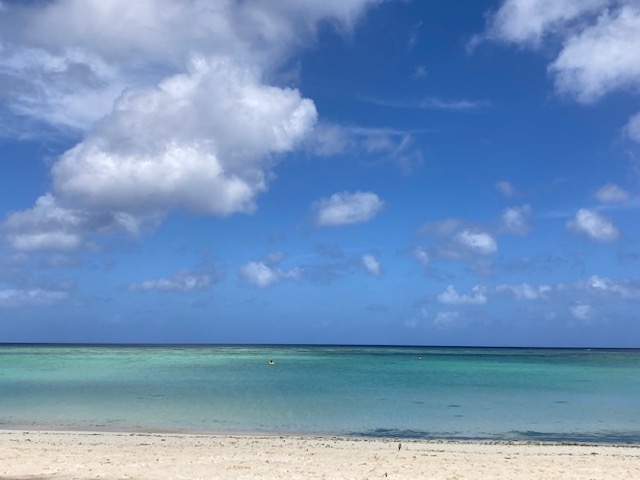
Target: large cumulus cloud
176,104
202,140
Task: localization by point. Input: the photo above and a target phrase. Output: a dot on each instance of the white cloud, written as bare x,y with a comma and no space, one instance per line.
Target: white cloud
452,297
397,146
69,72
607,288
347,208
591,290
444,320
506,188
582,311
601,58
600,41
262,274
528,21
421,255
593,225
201,141
50,226
525,291
633,128
515,220
71,89
371,265
46,226
15,298
176,99
181,282
611,193
460,240
480,243
430,103
258,274
433,103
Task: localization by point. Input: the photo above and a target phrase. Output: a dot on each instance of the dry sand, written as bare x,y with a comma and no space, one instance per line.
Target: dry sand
71,455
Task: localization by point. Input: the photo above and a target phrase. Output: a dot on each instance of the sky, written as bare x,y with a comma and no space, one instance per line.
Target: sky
327,171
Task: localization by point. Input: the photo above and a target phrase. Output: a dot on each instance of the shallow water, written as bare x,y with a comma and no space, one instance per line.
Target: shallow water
464,393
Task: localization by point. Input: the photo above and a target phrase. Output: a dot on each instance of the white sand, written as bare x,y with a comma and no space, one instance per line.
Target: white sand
72,455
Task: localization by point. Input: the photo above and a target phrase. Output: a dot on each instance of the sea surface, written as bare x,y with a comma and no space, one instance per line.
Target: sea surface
403,392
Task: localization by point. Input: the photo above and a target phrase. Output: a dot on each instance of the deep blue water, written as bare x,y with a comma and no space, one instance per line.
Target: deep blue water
452,393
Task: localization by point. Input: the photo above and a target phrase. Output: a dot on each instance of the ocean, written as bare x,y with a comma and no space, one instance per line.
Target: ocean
559,395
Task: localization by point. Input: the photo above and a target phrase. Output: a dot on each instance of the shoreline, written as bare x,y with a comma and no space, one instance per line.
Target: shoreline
149,455
132,432
187,432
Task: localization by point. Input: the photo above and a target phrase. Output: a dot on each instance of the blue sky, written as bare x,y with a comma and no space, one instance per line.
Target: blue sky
354,171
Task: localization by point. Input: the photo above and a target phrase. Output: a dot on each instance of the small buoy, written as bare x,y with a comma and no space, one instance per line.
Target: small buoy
271,362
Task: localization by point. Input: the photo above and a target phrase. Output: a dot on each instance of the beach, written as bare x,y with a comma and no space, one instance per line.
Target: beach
110,455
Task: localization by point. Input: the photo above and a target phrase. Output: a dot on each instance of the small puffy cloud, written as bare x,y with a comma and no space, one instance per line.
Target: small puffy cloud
515,220
182,282
611,193
451,297
198,279
347,208
525,291
258,274
506,188
458,239
481,243
593,225
16,298
606,288
263,274
371,265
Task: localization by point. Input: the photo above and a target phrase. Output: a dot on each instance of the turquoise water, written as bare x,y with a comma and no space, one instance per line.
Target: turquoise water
503,394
